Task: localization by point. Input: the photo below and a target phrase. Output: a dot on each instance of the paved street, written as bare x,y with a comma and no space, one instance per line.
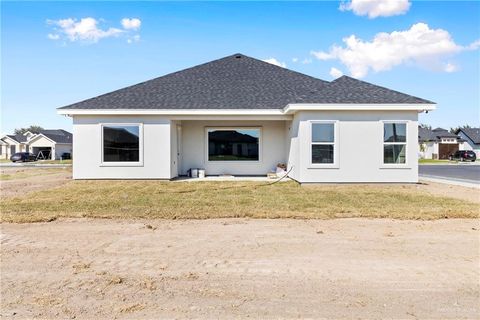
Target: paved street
464,172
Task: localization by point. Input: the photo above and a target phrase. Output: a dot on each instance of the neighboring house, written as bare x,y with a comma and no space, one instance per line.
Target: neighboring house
242,116
438,143
49,144
13,143
472,139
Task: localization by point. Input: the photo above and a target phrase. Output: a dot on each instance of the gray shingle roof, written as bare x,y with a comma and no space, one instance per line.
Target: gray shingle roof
443,133
241,82
436,134
472,133
18,137
425,134
58,135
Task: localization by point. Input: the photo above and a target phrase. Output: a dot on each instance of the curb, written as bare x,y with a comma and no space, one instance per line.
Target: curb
452,181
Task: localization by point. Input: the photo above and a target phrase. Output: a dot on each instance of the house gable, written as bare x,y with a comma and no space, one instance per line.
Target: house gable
40,139
471,134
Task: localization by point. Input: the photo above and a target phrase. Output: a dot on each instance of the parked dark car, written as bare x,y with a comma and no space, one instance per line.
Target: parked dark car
66,156
463,155
23,157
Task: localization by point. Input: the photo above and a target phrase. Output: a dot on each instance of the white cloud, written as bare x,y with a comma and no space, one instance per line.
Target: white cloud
335,73
131,24
450,67
306,61
133,39
88,30
52,36
376,8
276,62
418,45
294,59
84,30
474,45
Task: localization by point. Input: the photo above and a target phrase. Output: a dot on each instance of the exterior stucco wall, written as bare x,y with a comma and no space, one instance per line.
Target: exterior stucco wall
155,147
194,147
61,148
3,151
430,149
171,147
174,149
359,144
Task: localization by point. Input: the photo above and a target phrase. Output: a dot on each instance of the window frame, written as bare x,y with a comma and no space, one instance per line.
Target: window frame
384,165
228,128
335,143
138,163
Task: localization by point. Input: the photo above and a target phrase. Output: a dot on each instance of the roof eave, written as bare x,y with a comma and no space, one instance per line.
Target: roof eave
289,109
294,107
171,112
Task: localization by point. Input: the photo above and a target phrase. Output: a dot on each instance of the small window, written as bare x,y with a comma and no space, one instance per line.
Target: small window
121,143
234,144
323,143
394,143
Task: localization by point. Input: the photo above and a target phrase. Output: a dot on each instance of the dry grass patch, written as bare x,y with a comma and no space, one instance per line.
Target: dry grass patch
23,173
203,200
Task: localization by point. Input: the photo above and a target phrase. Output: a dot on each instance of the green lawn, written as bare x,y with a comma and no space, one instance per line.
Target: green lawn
433,161
54,162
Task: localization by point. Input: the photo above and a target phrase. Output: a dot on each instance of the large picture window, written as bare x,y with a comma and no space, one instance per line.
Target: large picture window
323,143
394,143
233,144
121,143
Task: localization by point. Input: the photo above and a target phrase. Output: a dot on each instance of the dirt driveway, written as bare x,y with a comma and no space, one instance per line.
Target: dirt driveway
238,268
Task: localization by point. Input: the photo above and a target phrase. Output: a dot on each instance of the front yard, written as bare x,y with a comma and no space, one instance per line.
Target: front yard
134,265
204,200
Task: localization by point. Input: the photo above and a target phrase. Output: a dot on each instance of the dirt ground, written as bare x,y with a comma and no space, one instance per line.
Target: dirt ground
19,181
239,268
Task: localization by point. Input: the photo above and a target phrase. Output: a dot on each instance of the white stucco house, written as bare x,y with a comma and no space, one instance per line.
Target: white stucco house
50,143
471,136
242,116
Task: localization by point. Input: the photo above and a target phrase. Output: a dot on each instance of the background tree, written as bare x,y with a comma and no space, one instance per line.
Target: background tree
425,126
466,126
32,129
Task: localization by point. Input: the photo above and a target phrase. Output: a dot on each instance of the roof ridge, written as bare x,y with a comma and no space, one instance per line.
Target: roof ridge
288,70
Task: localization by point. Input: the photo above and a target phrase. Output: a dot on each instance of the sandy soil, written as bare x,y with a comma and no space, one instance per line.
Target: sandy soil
238,268
32,179
452,191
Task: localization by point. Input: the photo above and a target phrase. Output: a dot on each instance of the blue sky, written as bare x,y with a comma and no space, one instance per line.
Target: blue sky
45,65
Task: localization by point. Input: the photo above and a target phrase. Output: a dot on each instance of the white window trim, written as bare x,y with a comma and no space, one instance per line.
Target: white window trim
335,164
260,145
121,163
405,165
